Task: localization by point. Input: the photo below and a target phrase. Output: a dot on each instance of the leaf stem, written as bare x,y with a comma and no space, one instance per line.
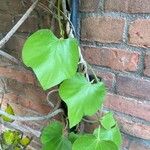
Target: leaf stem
95,76
59,19
99,129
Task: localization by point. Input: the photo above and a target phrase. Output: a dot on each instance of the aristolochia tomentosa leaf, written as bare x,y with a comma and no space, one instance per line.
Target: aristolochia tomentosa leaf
52,138
108,121
53,60
112,134
92,142
82,97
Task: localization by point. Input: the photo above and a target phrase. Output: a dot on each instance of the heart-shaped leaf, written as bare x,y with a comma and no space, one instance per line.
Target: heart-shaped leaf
52,138
53,60
90,142
112,134
82,97
108,121
73,137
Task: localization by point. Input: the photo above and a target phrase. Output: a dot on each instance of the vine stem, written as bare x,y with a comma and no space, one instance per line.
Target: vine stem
21,128
59,20
18,24
48,94
31,118
11,58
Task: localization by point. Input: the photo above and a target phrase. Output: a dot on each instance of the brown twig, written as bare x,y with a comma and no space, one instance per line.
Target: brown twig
31,118
21,128
11,58
48,94
18,24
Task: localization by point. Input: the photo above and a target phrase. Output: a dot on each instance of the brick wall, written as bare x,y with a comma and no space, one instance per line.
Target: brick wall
115,36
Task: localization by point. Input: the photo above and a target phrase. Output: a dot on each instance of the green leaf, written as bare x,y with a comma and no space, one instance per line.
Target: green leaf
82,97
17,148
10,137
90,142
53,60
108,121
52,138
112,134
73,137
10,111
25,141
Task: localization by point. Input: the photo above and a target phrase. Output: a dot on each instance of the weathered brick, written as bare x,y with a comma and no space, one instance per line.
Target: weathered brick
19,75
18,109
89,5
113,58
133,86
27,91
4,62
11,7
136,129
139,33
5,22
128,6
126,142
139,146
15,44
36,105
102,29
128,106
30,25
35,145
107,77
147,65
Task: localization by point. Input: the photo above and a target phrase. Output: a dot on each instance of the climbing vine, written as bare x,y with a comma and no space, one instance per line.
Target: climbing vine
59,62
55,62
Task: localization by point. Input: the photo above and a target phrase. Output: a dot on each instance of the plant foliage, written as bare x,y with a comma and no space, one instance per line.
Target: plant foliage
55,62
11,139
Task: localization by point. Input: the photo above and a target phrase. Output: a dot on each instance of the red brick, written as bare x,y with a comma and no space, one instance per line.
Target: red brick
89,5
133,86
128,6
147,65
35,93
35,105
18,109
128,106
19,75
15,44
107,77
117,59
136,129
102,29
28,92
139,33
138,146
